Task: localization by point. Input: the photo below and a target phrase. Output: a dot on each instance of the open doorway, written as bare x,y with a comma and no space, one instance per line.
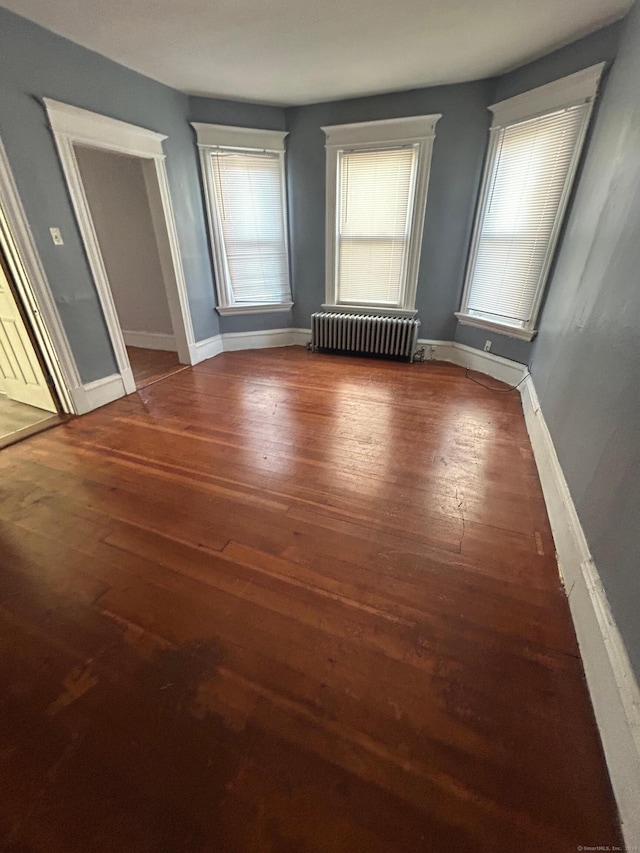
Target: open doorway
116,189
27,402
81,136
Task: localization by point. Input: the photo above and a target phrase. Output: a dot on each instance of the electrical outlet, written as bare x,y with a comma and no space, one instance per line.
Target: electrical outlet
56,236
487,346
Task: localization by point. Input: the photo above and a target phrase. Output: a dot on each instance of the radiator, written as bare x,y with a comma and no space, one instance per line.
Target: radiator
392,336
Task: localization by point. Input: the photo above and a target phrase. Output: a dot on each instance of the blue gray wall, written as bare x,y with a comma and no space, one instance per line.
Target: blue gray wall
35,63
586,360
458,152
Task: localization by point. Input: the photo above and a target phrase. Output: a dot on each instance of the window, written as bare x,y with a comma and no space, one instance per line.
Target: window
377,178
535,144
243,172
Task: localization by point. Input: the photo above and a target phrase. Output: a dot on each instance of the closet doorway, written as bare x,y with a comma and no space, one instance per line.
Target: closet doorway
117,180
117,193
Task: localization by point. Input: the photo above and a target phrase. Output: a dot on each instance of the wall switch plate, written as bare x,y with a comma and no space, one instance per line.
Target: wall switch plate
56,236
487,346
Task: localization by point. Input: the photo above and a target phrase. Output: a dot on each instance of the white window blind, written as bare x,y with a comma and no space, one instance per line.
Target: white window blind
530,176
249,203
376,189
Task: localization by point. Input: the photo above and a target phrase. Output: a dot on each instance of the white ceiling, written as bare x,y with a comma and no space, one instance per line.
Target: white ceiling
302,51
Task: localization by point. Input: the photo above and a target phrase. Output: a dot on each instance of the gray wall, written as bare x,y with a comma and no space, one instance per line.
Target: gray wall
587,357
600,46
117,194
35,63
461,137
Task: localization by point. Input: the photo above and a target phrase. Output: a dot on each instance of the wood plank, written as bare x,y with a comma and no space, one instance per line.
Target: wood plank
281,601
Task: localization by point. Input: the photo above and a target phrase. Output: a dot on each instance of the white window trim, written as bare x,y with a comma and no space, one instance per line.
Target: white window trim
210,137
418,130
578,88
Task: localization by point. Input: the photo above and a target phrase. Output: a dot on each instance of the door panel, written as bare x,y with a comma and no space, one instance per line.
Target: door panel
21,375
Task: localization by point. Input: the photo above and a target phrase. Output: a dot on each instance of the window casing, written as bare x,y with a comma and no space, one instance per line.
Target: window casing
244,178
377,180
535,144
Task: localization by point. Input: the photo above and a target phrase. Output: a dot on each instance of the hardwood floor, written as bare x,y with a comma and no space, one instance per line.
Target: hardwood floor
290,602
150,365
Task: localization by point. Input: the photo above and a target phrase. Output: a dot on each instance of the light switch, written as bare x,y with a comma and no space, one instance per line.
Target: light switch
56,236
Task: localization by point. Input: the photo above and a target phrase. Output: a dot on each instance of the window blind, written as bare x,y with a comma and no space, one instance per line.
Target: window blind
529,176
373,224
250,210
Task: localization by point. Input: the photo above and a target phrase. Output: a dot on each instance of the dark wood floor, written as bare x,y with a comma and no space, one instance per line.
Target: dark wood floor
148,365
290,602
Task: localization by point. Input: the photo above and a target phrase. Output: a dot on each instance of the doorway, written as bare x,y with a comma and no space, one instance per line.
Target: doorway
89,143
27,402
116,187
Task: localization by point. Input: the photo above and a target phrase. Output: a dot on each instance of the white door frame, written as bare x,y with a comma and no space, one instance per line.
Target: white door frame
72,125
30,281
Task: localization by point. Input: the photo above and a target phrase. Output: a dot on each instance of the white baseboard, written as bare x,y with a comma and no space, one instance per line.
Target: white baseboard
300,337
488,363
233,341
208,348
150,340
92,395
612,684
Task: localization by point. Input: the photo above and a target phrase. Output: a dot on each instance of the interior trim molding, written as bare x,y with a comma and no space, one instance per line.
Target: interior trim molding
93,395
31,282
150,340
72,126
495,326
233,341
230,310
503,369
613,688
580,87
207,348
227,136
86,126
405,129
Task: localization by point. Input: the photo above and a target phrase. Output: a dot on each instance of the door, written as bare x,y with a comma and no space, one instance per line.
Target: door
21,375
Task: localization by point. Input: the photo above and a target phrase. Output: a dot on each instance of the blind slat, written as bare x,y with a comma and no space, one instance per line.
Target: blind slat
526,187
374,207
249,202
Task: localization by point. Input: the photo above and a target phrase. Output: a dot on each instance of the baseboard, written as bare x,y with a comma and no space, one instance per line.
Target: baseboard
300,337
208,348
500,368
612,684
150,340
92,395
234,341
437,350
488,363
266,339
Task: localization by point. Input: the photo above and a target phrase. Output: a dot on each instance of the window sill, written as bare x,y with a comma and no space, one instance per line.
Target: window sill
226,310
370,309
494,326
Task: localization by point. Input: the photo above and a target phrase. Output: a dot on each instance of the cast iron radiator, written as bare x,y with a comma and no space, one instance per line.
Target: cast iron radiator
392,336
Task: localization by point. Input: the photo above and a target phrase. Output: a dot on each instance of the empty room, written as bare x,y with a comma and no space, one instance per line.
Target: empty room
319,466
